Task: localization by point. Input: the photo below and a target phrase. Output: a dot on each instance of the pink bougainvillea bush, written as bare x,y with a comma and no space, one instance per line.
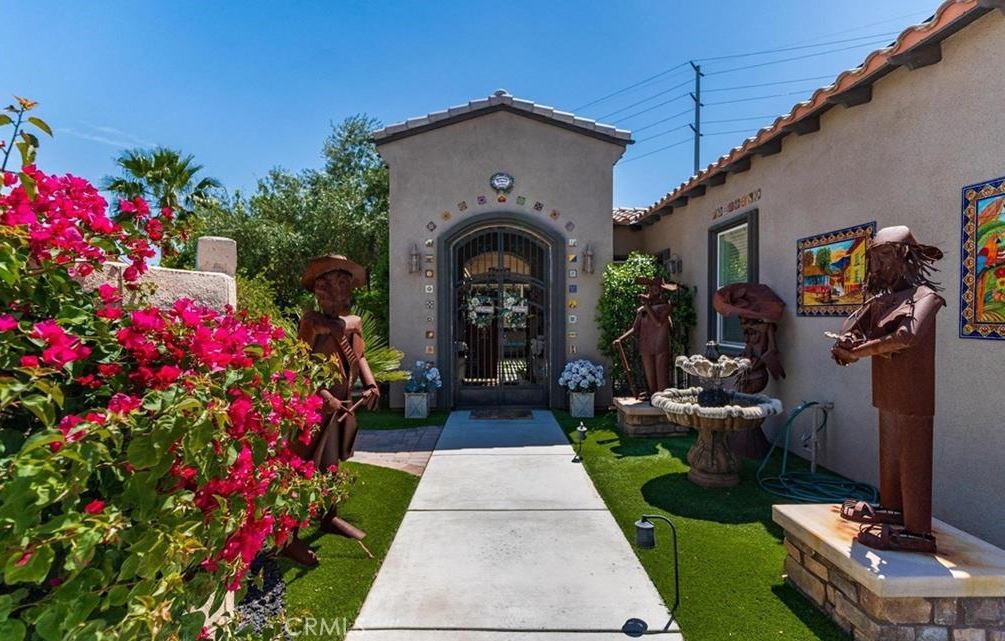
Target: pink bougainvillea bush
144,452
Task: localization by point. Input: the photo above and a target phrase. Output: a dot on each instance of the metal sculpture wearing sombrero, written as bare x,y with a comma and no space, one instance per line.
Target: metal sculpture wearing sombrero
651,329
896,327
333,331
759,310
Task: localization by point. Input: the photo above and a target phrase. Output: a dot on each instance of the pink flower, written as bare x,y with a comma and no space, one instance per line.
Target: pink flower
147,320
95,507
109,293
29,361
123,403
167,375
7,323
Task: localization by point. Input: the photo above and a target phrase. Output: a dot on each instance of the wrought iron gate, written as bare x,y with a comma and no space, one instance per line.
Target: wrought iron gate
500,318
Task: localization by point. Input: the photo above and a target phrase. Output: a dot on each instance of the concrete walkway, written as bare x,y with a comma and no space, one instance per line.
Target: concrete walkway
507,540
406,449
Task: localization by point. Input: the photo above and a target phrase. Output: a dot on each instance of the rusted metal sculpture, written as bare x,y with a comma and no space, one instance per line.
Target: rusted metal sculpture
334,332
759,310
896,327
651,328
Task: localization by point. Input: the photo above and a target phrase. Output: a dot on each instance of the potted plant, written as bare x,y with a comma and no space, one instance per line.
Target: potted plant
582,378
423,379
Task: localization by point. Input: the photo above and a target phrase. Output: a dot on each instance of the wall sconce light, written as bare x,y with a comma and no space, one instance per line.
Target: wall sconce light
675,264
588,260
414,259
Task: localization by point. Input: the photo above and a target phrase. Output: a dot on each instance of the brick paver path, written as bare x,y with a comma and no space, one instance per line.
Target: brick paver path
406,449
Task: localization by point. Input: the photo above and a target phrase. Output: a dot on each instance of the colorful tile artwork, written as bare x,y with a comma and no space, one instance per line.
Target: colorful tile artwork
482,200
431,226
429,289
830,271
445,215
429,273
573,273
521,200
573,304
429,319
572,334
501,198
572,319
572,348
430,304
573,258
538,206
982,265
462,206
429,258
572,242
573,289
569,226
554,214
429,242
429,349
430,333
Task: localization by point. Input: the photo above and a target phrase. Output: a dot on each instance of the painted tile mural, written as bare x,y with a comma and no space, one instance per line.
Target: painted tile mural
830,271
982,279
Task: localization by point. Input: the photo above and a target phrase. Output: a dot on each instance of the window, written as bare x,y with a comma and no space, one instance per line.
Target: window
732,259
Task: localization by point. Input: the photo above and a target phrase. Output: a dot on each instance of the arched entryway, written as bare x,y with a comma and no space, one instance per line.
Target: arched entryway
500,316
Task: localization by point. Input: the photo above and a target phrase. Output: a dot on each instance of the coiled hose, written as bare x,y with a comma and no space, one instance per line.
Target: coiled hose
809,487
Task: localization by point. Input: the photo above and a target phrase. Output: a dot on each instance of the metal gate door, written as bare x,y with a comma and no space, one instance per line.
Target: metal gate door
500,318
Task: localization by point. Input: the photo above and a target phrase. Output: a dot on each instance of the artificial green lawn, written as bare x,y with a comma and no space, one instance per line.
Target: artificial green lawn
388,419
731,552
336,588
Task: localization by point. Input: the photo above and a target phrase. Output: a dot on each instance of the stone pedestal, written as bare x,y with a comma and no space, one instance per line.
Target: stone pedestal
955,595
216,254
640,418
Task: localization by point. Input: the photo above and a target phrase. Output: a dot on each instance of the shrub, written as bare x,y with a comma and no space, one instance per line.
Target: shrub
144,456
619,301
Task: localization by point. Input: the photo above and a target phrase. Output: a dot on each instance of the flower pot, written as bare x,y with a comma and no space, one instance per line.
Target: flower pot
581,404
416,405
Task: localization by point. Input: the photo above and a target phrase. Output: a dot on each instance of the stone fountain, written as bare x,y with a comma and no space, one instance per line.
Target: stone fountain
714,410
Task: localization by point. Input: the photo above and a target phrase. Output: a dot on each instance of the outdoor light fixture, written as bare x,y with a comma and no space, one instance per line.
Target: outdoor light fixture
588,259
645,538
414,259
580,437
675,264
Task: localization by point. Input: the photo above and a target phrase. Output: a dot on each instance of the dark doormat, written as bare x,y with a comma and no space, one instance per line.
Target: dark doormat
502,414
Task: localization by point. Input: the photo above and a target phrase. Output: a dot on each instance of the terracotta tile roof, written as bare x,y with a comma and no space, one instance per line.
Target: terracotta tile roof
627,215
916,46
501,100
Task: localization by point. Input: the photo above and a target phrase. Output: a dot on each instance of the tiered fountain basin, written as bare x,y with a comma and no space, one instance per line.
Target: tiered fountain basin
714,412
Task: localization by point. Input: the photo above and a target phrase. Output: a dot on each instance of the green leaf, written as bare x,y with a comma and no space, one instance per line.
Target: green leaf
142,452
27,182
30,138
41,439
41,124
42,407
55,392
12,630
34,571
5,120
49,625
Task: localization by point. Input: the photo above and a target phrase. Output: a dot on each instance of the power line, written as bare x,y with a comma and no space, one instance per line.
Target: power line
662,133
768,84
636,104
802,57
656,106
732,131
632,86
750,98
656,151
809,46
660,122
716,122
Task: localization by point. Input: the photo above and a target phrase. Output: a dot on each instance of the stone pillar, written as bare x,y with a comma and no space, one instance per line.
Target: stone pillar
216,254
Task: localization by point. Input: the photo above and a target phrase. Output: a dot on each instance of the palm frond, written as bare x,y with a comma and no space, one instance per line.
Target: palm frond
384,360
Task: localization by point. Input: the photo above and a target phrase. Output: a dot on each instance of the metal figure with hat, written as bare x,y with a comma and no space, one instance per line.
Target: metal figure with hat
334,331
896,327
651,328
759,310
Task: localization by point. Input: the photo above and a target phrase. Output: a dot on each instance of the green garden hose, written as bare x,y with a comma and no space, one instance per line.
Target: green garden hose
809,487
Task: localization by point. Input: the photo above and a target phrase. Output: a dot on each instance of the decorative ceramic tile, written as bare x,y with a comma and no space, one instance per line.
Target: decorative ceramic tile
445,215
554,214
429,349
573,304
573,289
429,258
431,226
521,200
462,206
573,258
572,242
572,349
573,273
482,200
501,198
572,319
429,289
429,242
430,333
538,206
430,304
429,273
571,334
429,319
569,226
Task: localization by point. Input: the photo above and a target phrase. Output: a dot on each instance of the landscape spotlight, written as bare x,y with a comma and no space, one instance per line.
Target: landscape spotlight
580,437
645,538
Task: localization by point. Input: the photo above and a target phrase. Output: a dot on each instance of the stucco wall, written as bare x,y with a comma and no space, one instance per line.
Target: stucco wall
433,172
900,159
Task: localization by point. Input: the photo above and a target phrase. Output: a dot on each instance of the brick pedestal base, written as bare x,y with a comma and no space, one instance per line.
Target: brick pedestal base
895,596
639,418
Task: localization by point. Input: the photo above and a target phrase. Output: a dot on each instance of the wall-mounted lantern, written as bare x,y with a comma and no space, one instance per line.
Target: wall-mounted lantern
414,259
588,260
675,264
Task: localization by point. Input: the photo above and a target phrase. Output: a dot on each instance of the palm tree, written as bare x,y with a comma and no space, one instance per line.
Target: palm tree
164,177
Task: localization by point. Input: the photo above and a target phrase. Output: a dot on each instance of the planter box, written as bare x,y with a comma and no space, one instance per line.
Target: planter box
581,404
416,405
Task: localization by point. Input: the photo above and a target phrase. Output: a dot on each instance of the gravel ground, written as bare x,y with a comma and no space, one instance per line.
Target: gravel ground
262,607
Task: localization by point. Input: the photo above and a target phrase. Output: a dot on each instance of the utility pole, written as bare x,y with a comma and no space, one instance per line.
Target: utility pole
696,126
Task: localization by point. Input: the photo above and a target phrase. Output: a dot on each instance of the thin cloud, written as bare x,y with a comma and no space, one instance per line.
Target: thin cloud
106,136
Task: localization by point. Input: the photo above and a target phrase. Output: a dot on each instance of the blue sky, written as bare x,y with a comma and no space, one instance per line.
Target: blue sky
246,86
